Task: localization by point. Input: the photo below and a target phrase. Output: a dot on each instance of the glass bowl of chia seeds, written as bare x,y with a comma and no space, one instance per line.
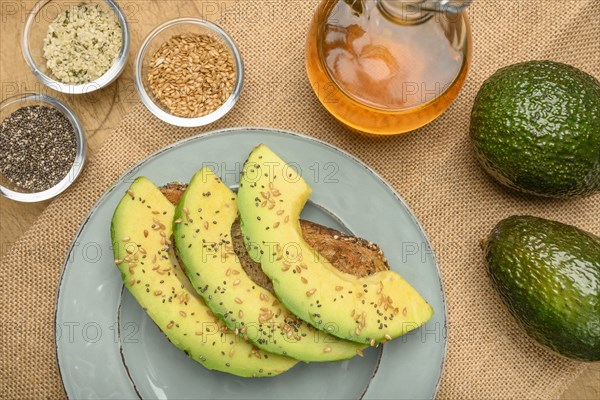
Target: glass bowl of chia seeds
189,72
42,147
76,47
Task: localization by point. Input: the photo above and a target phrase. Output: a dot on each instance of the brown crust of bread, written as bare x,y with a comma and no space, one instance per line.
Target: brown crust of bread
347,253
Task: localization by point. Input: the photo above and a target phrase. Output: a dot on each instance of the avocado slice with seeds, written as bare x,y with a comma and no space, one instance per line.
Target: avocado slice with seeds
202,233
141,230
370,310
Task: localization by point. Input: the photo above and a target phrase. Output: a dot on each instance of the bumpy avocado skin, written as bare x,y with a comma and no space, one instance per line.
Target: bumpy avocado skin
548,274
535,127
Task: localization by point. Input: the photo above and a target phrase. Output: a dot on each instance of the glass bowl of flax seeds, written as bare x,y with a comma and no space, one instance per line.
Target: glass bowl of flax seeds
189,72
42,147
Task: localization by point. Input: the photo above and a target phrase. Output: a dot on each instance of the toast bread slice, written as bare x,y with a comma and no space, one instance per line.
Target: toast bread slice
345,252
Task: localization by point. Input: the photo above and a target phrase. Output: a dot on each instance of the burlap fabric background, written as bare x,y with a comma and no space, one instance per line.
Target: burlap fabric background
433,169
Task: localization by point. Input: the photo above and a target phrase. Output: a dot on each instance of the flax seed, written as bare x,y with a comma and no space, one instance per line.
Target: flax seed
192,74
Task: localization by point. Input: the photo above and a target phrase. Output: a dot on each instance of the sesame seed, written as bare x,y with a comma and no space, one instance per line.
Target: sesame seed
327,350
182,313
118,261
387,337
359,353
372,343
170,325
157,292
304,280
338,288
238,300
311,292
125,239
241,314
236,282
132,282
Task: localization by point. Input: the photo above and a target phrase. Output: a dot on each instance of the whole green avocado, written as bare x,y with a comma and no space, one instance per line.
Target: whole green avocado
548,274
535,127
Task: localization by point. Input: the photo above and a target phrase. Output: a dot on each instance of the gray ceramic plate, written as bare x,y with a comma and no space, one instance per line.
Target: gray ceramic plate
108,348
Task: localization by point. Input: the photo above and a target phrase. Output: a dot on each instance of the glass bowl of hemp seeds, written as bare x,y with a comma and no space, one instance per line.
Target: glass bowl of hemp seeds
42,147
189,72
76,47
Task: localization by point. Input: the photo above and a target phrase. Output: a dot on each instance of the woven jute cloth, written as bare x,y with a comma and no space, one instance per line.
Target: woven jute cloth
432,168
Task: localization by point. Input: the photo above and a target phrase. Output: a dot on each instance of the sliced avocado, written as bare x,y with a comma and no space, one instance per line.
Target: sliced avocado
202,232
366,310
548,274
141,231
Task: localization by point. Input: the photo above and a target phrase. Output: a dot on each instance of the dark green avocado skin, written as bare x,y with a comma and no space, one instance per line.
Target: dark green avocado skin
535,127
548,274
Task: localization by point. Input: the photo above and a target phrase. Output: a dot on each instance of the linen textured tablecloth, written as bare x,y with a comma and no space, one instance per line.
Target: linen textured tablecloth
432,168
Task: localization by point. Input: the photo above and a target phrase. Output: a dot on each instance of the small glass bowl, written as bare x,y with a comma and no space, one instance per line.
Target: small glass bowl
10,105
32,44
162,34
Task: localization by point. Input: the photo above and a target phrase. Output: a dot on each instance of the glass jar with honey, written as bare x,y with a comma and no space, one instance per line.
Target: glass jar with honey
388,66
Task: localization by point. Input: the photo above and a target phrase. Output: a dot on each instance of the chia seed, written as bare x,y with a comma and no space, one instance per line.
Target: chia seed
37,147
